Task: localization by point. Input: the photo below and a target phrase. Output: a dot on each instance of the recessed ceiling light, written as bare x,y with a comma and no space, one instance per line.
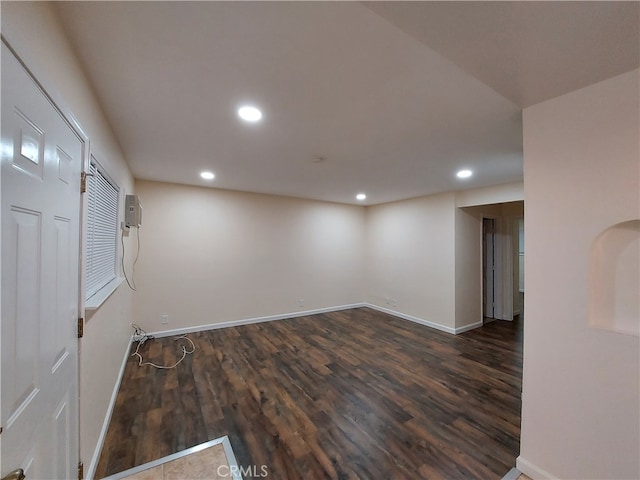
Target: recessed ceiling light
361,196
249,113
464,174
207,175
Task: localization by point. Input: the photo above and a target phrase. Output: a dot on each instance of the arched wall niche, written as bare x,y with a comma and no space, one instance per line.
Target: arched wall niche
614,279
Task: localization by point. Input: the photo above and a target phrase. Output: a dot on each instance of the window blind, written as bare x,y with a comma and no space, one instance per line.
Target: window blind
102,229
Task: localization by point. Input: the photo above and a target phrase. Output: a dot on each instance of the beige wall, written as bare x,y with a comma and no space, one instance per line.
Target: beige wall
33,31
209,256
424,258
241,256
580,416
468,268
410,253
505,193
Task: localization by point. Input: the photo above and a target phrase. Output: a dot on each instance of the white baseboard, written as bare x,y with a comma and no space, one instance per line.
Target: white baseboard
90,472
270,318
411,318
466,328
248,321
531,470
426,323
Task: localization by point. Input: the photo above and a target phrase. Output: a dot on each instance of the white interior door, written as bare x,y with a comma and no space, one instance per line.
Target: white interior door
41,164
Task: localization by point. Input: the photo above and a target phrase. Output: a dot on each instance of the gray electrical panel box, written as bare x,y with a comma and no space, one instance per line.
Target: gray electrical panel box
132,211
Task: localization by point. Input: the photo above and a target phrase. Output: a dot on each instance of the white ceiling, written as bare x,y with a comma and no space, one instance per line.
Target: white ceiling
395,96
527,51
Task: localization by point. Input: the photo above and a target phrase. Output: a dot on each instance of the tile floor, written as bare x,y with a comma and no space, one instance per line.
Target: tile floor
210,463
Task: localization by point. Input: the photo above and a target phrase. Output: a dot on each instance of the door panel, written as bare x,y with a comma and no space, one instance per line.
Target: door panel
61,433
21,234
30,156
41,163
63,290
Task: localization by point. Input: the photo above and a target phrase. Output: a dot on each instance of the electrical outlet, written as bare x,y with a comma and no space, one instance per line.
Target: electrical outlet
301,302
165,319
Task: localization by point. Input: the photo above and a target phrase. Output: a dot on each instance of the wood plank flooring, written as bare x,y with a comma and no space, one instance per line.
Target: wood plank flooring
343,395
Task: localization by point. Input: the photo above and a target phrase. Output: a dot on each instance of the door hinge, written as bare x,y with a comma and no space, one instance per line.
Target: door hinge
15,475
80,470
83,181
80,327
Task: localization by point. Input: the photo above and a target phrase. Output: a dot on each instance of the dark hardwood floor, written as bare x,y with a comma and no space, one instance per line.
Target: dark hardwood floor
342,395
